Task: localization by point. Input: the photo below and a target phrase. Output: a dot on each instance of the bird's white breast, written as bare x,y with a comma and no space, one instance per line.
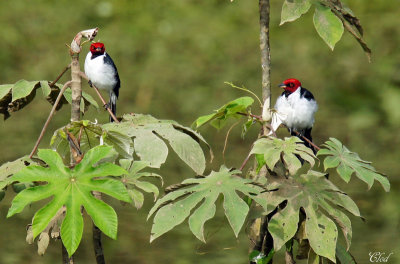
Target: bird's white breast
102,75
298,113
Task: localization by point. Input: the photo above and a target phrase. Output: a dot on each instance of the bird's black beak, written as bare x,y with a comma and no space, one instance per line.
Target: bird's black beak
282,85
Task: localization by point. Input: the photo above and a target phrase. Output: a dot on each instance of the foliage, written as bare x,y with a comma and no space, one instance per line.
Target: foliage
9,168
330,19
199,195
288,150
348,163
322,203
14,97
234,109
89,135
133,182
72,188
149,134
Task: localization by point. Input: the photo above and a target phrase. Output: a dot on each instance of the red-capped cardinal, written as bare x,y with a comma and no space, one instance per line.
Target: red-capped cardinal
295,108
102,72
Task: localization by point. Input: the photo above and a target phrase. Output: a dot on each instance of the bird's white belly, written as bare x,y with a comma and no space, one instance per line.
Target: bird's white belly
100,74
297,113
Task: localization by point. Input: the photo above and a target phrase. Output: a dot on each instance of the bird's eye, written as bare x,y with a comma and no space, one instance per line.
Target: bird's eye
291,85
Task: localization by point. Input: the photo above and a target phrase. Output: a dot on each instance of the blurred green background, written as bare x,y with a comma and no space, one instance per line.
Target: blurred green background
173,57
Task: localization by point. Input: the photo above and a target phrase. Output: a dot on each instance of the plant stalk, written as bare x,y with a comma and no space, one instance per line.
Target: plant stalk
263,240
76,88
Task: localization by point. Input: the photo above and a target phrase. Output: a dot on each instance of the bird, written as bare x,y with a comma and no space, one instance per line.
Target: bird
102,72
295,108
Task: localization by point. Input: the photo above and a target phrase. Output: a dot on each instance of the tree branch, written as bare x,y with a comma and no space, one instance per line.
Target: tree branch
265,52
98,248
53,110
264,241
66,259
60,75
76,87
306,139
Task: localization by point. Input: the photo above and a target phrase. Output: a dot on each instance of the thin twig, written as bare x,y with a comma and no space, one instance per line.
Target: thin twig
53,110
245,162
106,106
306,139
65,256
98,248
244,89
60,75
226,138
257,117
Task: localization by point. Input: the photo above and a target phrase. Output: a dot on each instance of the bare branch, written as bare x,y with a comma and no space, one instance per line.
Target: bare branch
53,110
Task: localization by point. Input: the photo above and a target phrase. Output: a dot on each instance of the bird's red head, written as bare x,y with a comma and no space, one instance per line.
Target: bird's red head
290,85
97,48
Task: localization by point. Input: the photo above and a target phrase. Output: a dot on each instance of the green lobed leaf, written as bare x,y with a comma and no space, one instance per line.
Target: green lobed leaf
205,212
274,148
46,90
5,89
133,182
12,167
22,88
323,204
321,233
90,134
150,148
72,188
348,163
328,25
293,9
149,135
198,196
218,119
344,256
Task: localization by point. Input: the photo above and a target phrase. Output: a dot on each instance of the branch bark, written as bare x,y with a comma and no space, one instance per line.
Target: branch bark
264,7
263,239
76,87
98,248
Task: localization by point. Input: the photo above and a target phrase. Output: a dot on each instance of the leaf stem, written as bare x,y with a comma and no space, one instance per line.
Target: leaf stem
244,89
306,139
53,110
60,75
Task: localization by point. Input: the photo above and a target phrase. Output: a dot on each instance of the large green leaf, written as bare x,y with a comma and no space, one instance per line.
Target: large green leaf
90,134
150,135
275,149
231,109
14,97
349,20
322,203
12,167
199,196
347,163
72,188
133,181
328,25
293,9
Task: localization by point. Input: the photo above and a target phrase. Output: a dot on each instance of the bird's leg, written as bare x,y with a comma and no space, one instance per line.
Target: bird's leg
90,83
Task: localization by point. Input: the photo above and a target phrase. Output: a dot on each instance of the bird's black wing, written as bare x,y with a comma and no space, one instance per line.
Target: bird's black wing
304,93
108,60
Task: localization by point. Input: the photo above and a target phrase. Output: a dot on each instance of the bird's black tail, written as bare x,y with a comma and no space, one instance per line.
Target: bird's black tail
113,104
307,134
